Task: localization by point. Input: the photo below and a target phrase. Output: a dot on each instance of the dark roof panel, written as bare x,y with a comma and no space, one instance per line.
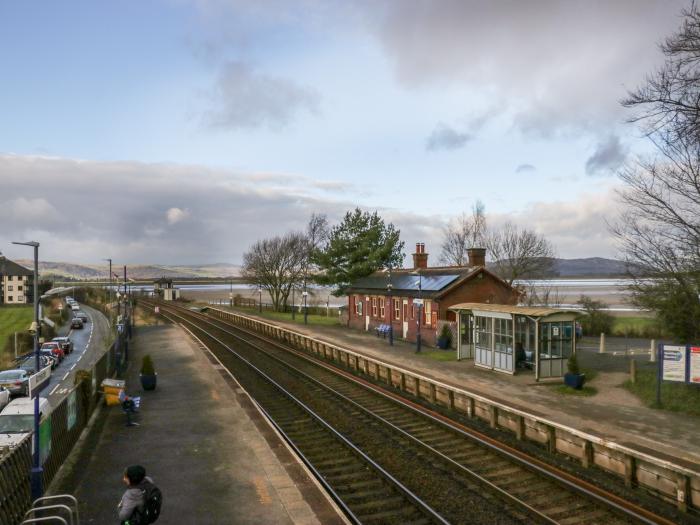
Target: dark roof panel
405,281
8,267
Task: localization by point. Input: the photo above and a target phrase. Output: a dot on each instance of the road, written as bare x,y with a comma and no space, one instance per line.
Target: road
87,342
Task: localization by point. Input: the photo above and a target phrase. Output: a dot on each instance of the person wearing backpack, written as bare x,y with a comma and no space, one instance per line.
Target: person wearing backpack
141,502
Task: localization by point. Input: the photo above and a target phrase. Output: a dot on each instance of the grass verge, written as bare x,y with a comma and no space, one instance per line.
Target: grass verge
287,317
439,355
675,397
12,319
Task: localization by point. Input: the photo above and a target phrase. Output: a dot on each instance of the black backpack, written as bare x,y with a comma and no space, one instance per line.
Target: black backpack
153,499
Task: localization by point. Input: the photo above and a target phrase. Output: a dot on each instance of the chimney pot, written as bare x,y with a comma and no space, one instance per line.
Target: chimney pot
420,258
477,257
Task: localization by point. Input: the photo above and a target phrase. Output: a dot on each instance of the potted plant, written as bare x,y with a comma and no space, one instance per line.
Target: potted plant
445,339
574,378
148,373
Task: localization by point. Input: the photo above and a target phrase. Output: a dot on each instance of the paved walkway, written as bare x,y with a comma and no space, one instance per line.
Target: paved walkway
201,439
613,413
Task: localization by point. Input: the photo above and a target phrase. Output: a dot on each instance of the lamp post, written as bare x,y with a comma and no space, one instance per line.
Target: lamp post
37,471
109,295
306,311
260,296
420,310
389,288
294,316
230,293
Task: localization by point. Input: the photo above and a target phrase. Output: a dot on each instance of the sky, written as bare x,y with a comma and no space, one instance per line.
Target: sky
181,131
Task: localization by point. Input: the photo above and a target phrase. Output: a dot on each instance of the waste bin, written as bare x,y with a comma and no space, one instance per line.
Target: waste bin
112,388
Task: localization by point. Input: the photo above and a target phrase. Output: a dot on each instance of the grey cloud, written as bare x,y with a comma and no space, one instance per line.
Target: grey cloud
445,137
609,155
525,168
542,60
244,98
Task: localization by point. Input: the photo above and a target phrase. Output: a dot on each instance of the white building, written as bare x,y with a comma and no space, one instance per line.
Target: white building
16,283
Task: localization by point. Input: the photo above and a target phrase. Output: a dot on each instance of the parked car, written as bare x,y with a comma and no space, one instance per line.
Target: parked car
66,344
16,381
82,316
75,307
29,364
17,420
55,348
76,323
4,397
53,360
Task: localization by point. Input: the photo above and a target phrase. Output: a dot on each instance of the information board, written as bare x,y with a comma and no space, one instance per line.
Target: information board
694,357
39,380
674,363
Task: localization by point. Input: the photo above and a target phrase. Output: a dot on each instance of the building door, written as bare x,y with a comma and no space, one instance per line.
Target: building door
367,313
405,319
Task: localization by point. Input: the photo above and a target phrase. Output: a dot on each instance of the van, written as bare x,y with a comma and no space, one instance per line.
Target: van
17,420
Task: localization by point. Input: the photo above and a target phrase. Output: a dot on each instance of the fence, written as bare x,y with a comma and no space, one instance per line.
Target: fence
243,302
59,433
672,481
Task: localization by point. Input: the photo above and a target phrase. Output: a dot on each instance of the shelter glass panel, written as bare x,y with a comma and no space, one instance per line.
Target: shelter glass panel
503,344
483,341
556,346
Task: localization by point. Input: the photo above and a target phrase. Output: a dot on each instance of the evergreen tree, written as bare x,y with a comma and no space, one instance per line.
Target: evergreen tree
358,246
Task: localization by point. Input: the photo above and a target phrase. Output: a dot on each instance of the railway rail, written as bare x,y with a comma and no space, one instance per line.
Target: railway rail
422,467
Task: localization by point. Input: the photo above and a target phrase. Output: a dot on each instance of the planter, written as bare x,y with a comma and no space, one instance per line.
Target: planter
443,343
575,381
148,382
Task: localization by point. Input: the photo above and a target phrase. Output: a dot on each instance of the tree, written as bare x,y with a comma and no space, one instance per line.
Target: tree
275,264
597,320
519,253
658,231
358,246
462,233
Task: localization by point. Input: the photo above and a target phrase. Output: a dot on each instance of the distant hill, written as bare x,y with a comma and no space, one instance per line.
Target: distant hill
79,272
589,267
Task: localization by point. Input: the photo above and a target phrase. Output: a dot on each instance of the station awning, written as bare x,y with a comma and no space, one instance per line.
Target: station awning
498,310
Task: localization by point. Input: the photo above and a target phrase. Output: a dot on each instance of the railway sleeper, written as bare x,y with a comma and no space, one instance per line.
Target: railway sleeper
356,476
374,504
591,518
388,517
384,491
368,484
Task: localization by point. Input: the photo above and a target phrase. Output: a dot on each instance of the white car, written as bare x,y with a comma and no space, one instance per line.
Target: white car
4,397
17,420
75,307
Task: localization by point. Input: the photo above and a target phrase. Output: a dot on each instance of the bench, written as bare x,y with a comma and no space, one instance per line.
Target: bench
382,329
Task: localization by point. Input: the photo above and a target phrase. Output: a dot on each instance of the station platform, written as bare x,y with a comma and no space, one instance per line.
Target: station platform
613,413
202,441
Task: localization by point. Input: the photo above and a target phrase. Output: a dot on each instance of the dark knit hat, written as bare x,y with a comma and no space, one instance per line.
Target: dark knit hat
135,474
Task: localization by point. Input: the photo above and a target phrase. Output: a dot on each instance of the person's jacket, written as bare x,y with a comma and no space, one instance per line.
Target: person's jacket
132,499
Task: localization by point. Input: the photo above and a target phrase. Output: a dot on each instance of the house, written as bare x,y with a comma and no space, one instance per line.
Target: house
163,287
16,283
369,305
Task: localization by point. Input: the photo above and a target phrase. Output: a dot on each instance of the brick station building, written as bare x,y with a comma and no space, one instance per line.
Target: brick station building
440,288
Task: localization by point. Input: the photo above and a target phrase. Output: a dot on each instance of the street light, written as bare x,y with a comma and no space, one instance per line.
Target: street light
294,315
389,288
420,309
230,294
109,295
306,311
260,295
37,471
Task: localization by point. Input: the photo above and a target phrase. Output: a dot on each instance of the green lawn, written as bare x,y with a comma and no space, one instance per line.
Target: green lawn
636,327
287,317
12,319
586,391
676,397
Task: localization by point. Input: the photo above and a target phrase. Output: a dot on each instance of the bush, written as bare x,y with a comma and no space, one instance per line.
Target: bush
596,320
572,364
446,334
147,367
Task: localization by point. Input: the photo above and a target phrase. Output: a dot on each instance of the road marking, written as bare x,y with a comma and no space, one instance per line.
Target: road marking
54,389
72,367
65,376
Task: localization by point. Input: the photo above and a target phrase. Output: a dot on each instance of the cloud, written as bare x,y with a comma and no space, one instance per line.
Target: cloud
542,61
608,156
444,137
243,98
175,215
525,168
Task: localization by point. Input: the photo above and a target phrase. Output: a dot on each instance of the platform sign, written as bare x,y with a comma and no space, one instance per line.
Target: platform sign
694,368
39,380
673,363
72,415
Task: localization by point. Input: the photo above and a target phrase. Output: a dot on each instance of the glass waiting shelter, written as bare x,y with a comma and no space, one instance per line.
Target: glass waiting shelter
504,337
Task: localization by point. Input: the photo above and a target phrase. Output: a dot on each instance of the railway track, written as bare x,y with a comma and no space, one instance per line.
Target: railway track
446,472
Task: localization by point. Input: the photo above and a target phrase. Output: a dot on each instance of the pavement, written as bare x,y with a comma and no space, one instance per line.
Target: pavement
613,413
202,441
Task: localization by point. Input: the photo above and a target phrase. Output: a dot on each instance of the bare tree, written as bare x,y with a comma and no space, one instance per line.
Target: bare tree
462,233
275,264
540,295
658,230
519,253
318,231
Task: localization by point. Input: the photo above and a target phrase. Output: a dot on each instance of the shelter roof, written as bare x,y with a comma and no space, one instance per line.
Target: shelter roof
530,311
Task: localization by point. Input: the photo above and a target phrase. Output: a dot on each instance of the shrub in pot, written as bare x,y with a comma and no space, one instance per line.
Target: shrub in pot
574,378
445,339
148,373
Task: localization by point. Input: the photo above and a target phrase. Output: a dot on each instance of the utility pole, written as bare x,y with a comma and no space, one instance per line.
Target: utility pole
109,294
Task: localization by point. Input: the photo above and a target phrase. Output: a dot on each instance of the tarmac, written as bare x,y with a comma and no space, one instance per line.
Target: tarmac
613,413
201,439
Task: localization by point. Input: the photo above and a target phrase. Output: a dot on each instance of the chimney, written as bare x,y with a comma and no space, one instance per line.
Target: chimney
420,258
477,257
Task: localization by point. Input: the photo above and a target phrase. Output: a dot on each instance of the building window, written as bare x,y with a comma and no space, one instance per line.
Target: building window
381,307
20,298
358,307
413,311
428,312
397,310
9,298
19,288
374,307
10,288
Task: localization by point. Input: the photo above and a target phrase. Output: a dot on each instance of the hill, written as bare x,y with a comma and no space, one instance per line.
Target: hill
590,267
